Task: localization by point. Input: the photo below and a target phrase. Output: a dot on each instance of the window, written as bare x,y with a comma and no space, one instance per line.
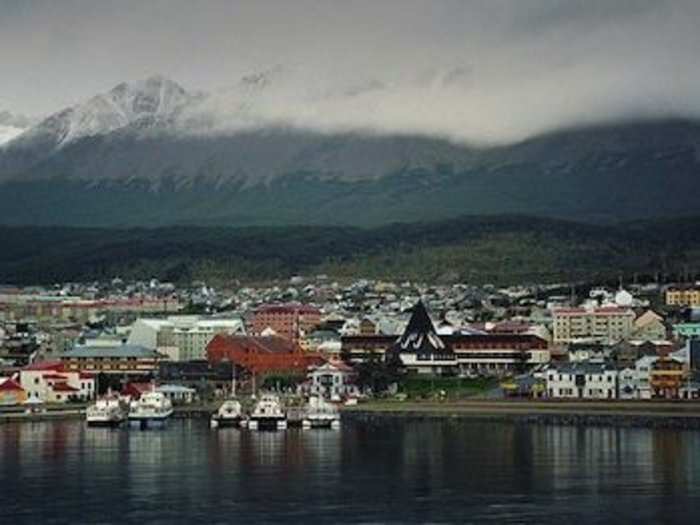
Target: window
36,380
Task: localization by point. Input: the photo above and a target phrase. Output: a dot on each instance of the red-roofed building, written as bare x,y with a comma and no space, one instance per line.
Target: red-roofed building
51,382
290,321
135,390
44,366
12,393
261,355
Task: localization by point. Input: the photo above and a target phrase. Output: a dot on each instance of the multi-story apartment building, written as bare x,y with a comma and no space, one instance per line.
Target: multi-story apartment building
683,296
183,337
604,324
290,321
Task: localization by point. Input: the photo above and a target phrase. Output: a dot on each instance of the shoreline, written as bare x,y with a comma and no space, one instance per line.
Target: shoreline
643,414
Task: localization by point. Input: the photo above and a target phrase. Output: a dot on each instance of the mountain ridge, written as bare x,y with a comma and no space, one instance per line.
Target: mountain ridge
140,164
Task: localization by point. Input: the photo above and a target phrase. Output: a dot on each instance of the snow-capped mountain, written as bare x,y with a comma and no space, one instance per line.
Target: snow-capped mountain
7,133
150,152
12,126
153,100
153,103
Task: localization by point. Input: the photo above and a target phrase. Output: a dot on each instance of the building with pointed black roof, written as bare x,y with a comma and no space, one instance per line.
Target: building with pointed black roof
421,349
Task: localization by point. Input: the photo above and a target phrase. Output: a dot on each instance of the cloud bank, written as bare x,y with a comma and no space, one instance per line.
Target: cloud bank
476,71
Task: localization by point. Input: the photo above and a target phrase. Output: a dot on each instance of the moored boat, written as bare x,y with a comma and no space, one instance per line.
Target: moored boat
319,413
152,408
106,412
230,414
268,414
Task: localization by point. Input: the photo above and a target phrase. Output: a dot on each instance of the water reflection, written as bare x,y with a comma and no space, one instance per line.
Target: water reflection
393,471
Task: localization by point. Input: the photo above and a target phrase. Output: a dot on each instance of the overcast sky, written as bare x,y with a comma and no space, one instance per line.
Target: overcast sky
494,70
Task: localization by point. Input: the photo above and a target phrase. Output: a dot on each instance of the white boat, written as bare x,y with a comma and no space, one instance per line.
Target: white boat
319,413
151,408
268,414
106,412
230,414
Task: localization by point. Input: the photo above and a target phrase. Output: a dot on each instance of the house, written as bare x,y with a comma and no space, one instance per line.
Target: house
135,389
332,380
583,352
649,327
667,377
582,381
12,393
52,382
634,380
178,394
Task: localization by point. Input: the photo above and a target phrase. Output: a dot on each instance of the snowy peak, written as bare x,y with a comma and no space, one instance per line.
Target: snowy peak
145,102
11,126
7,133
154,99
154,96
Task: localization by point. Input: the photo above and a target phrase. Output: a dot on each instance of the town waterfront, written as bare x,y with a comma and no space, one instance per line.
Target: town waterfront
382,471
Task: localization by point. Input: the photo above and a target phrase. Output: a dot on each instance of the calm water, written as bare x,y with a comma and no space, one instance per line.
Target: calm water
390,472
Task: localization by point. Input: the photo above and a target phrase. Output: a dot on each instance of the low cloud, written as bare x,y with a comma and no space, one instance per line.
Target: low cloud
472,71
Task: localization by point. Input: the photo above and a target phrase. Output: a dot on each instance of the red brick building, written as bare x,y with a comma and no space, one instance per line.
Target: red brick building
261,355
286,320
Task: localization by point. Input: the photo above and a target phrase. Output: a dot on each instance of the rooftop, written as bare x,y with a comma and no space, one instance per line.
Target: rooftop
112,352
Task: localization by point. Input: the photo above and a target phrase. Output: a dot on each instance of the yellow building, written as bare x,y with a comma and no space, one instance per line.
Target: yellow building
683,297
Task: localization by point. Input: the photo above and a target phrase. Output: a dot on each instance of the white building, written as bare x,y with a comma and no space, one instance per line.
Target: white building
178,394
634,381
51,383
183,337
582,381
332,380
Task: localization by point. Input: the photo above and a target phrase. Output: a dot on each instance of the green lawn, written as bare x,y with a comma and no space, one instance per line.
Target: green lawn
453,387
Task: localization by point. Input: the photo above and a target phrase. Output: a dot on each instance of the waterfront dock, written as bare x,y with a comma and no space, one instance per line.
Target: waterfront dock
592,413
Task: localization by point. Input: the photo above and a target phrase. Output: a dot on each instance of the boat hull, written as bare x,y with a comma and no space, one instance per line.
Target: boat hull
321,423
105,423
225,422
267,423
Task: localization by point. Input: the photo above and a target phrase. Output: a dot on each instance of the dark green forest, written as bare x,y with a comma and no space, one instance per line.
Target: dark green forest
475,249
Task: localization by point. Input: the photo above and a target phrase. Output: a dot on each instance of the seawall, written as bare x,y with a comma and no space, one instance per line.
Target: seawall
680,415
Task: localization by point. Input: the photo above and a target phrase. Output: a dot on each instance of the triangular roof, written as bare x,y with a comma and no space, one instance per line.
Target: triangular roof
647,318
56,366
10,384
420,335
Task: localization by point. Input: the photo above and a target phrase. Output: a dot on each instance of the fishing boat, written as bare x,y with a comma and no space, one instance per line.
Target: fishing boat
151,409
106,412
230,414
268,414
319,413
